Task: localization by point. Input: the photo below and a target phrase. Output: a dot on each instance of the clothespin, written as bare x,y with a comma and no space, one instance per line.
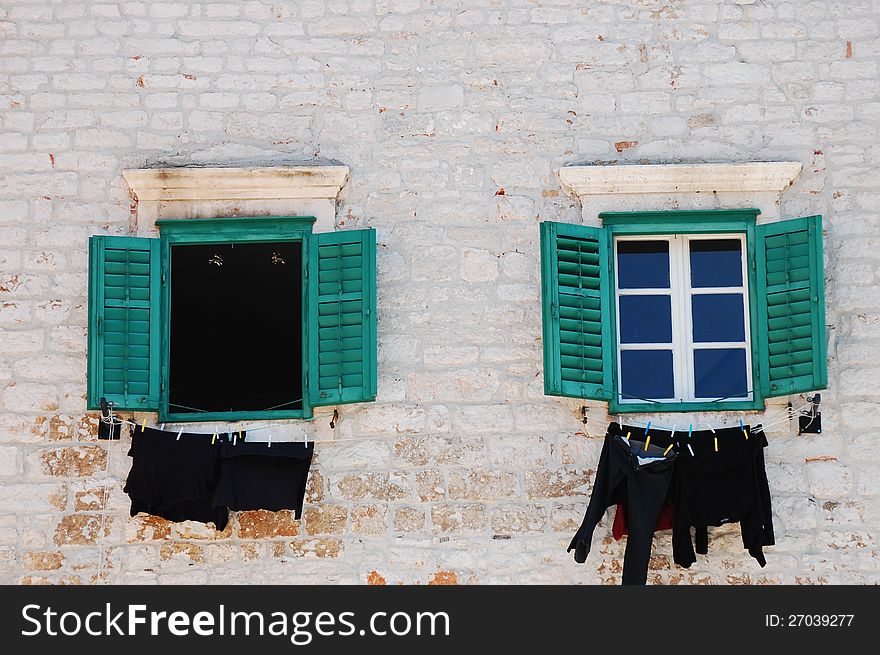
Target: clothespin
647,442
234,439
716,444
270,439
214,439
711,428
627,436
672,436
144,424
647,427
690,449
668,448
690,430
305,438
179,433
745,434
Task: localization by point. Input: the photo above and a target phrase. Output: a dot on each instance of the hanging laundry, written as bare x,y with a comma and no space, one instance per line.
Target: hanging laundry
173,478
638,475
665,520
725,481
271,476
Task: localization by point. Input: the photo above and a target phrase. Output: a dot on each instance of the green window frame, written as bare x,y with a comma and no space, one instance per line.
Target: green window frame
129,322
786,304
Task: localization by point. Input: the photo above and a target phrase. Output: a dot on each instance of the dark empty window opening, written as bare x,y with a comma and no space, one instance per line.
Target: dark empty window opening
236,327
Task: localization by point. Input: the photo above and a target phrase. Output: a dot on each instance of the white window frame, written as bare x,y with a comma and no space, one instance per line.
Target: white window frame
681,292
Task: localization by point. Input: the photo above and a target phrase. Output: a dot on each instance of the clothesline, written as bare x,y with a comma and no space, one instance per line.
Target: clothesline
789,415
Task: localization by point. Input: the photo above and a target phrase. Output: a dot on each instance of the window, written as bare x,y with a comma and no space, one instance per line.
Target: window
232,319
247,294
683,310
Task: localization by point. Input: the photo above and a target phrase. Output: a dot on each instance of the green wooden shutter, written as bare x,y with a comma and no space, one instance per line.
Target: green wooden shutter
791,307
576,312
342,317
123,366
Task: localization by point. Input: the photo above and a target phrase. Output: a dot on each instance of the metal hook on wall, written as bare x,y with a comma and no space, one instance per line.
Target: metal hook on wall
811,423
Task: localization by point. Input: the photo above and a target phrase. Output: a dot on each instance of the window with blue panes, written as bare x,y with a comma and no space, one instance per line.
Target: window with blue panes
683,310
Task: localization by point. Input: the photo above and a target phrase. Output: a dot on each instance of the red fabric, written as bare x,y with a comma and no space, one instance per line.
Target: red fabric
665,520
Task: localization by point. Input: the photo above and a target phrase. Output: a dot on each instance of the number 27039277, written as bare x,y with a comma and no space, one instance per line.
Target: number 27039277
808,620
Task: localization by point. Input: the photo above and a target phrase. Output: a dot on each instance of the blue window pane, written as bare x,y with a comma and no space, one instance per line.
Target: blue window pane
645,319
646,374
720,373
643,264
718,317
716,263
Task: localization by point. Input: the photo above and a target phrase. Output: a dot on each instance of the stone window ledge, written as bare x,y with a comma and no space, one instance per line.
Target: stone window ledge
654,187
194,192
277,182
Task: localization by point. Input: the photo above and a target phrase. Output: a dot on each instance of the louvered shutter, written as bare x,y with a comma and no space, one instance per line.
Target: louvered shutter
574,273
791,307
123,355
342,315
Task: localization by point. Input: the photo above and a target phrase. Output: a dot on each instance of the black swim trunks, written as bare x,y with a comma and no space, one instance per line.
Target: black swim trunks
173,478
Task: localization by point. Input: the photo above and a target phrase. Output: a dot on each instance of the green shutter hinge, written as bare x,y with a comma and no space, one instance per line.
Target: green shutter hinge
163,278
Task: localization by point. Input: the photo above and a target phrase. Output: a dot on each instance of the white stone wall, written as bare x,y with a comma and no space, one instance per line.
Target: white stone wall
454,118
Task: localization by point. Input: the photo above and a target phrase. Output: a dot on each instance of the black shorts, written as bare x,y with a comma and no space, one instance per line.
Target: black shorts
255,475
173,478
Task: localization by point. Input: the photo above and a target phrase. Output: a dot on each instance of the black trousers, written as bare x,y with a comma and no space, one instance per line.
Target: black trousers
638,478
